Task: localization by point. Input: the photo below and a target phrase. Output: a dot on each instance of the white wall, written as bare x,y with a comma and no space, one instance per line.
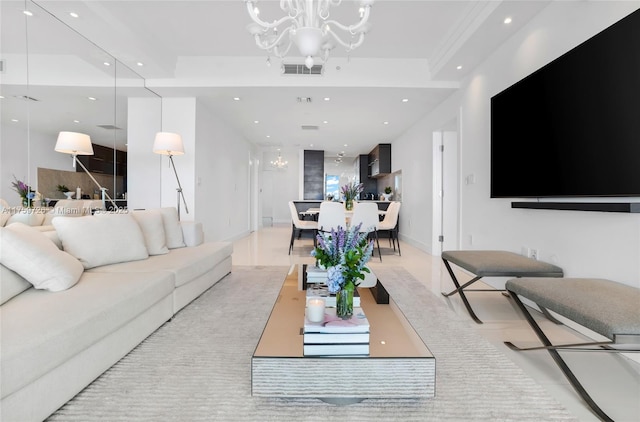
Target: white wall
221,177
143,166
590,244
279,186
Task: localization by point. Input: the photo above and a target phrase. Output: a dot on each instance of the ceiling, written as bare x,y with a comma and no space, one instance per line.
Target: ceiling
201,49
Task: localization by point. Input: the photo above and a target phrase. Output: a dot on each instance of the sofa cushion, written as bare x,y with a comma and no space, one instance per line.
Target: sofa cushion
186,264
28,216
42,330
5,212
152,226
101,240
172,229
35,257
11,284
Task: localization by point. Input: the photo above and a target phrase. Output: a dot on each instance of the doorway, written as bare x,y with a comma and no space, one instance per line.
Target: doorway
446,191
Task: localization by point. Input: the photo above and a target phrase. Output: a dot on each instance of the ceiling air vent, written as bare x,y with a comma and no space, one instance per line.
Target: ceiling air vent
300,69
1,66
309,127
110,127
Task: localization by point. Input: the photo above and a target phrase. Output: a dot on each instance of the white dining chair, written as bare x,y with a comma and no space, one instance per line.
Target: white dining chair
331,216
366,214
299,226
390,224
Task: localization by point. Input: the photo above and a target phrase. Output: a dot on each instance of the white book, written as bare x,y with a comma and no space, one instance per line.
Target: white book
335,338
335,349
358,323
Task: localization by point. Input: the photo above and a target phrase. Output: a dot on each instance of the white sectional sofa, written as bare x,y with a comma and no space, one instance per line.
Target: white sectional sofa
59,334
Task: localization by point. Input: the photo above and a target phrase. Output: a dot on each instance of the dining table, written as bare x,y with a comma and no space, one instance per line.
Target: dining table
314,212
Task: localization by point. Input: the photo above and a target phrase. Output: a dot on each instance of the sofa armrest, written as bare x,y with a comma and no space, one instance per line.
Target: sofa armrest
192,232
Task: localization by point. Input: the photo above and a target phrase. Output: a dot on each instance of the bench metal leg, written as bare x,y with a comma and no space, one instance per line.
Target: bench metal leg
560,362
459,290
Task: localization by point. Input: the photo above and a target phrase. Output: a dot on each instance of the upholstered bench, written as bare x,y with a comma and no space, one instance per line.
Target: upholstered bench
606,307
483,263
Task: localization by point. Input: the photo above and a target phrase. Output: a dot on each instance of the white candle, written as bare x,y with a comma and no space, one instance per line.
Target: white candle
315,310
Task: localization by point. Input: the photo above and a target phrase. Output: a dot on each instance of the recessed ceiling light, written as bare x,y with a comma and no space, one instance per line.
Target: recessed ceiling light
325,121
15,120
346,145
106,64
256,121
140,64
268,136
92,98
385,123
310,145
327,99
27,12
1,97
74,15
236,98
459,67
405,100
507,20
76,121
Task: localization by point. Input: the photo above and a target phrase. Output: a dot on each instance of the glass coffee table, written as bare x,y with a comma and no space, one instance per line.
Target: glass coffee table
399,365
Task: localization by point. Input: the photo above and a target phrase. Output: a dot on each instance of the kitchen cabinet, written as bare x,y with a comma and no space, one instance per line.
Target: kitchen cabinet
105,160
380,160
361,170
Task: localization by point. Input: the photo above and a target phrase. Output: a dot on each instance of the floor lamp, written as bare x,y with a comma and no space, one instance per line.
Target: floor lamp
171,144
80,144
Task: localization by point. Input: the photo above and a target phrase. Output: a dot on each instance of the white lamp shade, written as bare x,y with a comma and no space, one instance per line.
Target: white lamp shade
74,143
167,143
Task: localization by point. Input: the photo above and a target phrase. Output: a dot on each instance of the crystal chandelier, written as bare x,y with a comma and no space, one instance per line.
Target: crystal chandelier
307,24
279,163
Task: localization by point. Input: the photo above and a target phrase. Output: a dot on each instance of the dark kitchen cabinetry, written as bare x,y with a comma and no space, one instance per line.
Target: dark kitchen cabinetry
313,175
105,160
380,160
361,167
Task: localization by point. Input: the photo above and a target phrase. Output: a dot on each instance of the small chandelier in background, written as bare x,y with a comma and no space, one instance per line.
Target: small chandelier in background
307,24
279,163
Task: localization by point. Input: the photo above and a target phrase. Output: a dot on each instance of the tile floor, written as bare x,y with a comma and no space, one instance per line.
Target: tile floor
612,380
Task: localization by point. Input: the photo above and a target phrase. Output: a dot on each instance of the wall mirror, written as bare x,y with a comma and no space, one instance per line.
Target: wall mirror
53,79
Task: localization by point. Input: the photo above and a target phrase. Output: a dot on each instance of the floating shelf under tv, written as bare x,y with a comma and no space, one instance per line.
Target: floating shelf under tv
628,207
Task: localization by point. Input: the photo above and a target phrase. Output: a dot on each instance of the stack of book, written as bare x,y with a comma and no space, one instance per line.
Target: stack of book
329,298
337,337
316,275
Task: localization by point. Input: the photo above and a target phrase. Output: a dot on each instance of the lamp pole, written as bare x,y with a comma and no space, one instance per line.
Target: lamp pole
178,189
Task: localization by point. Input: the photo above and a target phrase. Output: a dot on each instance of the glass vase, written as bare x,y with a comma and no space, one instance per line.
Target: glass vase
344,301
348,205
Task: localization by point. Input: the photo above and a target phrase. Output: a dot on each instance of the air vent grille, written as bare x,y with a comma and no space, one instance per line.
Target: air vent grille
300,69
309,127
1,66
110,127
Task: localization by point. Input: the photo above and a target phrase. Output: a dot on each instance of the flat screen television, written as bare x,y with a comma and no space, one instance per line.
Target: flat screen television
572,128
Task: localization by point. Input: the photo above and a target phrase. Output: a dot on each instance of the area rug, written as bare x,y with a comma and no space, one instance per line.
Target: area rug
197,367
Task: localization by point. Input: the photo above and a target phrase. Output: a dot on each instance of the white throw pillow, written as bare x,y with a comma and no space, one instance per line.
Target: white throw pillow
101,240
31,254
172,229
150,221
28,216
